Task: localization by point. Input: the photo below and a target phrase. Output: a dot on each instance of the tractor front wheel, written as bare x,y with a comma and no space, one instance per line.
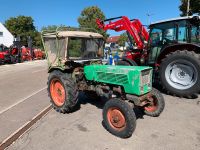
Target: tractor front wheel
119,118
62,91
156,104
180,73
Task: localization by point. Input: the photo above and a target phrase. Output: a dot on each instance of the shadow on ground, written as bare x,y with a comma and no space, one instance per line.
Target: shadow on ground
100,102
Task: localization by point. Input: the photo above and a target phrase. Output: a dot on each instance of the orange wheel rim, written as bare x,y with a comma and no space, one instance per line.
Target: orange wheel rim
57,91
116,119
153,105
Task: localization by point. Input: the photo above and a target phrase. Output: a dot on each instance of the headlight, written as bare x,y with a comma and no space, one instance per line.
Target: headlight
146,77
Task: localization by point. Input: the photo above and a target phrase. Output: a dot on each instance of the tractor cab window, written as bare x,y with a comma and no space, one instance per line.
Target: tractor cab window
156,43
195,34
156,36
182,31
194,29
84,48
169,33
160,36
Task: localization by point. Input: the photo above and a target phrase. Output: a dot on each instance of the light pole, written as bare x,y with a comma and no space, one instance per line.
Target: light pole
149,17
188,7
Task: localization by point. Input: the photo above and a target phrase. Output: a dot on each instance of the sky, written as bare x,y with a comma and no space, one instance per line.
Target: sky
66,12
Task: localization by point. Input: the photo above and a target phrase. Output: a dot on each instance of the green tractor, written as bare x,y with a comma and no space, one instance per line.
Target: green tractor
74,61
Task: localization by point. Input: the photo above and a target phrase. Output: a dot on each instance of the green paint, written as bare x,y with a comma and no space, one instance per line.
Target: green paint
129,77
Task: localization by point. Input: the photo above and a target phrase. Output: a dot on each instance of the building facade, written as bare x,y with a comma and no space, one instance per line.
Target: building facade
6,38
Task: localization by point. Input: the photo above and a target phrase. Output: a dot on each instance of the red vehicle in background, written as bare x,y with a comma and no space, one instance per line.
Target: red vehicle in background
8,55
25,54
19,52
38,54
14,54
2,54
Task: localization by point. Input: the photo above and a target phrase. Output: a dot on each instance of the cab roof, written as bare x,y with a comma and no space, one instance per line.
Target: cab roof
174,19
81,34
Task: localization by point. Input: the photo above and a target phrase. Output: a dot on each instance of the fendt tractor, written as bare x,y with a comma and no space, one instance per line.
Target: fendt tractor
171,47
74,65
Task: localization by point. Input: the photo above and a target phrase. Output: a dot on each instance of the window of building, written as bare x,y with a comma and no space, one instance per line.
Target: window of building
1,33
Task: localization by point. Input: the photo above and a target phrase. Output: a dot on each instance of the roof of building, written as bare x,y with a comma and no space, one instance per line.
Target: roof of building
113,39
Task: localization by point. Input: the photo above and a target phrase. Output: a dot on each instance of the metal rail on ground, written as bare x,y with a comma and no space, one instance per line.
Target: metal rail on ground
18,133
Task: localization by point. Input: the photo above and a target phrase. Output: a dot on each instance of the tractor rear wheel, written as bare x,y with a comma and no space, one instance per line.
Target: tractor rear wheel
156,105
180,73
62,91
119,118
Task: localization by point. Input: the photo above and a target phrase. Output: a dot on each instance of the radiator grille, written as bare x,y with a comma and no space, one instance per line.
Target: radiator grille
145,77
112,78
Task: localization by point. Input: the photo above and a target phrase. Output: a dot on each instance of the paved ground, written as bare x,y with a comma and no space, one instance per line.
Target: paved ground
178,127
22,94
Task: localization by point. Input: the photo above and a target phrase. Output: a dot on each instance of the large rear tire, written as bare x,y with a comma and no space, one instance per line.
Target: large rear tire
180,73
62,91
119,118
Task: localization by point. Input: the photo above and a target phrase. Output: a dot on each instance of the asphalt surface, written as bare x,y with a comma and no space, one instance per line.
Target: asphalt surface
22,94
177,128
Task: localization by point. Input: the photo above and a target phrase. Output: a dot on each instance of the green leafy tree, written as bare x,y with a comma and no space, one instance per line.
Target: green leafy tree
37,41
88,18
52,27
194,7
23,26
123,39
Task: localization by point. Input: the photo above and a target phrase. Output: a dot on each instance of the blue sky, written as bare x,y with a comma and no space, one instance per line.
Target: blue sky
66,12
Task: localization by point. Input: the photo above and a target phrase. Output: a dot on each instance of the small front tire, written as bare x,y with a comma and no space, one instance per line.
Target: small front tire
119,118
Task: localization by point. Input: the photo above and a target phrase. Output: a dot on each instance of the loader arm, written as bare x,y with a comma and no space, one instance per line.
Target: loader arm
133,27
140,29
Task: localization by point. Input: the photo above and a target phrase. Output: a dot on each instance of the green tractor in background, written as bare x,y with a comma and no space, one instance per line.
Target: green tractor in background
74,61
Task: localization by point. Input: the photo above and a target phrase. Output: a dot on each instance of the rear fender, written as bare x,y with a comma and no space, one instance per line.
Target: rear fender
172,48
55,68
61,69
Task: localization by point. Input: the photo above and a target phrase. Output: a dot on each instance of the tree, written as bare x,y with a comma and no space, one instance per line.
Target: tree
123,39
23,27
194,7
88,18
37,41
52,27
